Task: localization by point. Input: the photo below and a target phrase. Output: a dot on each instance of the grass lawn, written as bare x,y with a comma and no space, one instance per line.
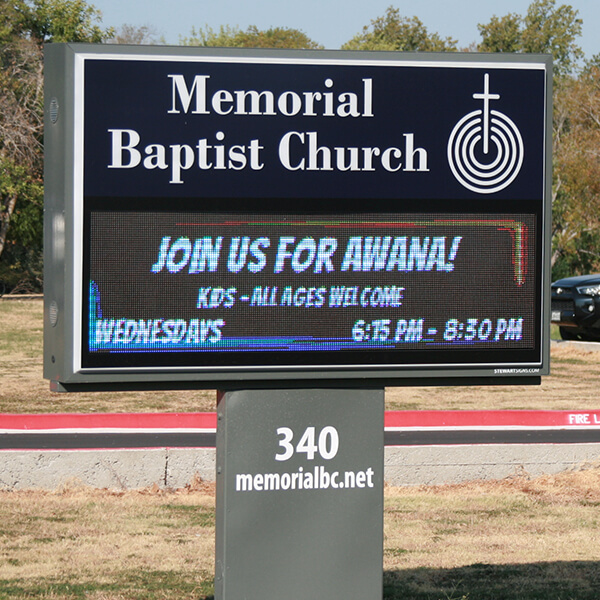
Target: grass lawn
24,389
516,539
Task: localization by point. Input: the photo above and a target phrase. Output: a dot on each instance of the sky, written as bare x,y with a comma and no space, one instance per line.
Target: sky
328,22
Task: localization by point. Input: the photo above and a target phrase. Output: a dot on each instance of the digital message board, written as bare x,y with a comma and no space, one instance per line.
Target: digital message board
223,216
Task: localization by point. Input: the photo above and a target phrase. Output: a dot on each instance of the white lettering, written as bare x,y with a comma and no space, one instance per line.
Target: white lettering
125,154
181,92
302,151
198,99
120,146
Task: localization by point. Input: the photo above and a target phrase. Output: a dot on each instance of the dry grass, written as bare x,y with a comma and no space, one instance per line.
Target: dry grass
23,388
514,521
572,369
514,539
95,540
71,534
517,539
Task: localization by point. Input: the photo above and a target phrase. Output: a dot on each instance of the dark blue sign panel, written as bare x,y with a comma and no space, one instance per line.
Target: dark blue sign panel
271,130
304,214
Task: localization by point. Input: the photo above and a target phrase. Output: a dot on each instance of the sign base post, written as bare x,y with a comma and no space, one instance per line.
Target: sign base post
299,494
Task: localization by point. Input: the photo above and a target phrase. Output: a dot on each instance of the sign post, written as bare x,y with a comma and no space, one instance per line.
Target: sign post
300,484
298,229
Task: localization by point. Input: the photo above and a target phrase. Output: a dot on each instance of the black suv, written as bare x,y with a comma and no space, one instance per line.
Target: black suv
576,307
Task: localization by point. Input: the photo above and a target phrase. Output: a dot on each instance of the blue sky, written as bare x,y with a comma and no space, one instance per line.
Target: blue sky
328,22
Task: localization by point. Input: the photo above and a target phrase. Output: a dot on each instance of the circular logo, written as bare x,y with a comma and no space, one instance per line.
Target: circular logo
485,149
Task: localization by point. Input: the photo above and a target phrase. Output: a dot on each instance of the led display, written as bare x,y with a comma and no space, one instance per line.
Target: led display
223,288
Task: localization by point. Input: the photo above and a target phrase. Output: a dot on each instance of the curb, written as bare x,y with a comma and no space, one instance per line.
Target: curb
98,456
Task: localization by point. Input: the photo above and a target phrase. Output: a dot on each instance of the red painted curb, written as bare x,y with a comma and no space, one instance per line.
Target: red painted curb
393,420
491,418
160,421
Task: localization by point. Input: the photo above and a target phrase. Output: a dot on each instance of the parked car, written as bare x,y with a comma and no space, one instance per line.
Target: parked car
576,307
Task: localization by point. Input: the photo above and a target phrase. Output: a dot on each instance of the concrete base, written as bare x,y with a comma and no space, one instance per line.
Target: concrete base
110,469
176,467
435,465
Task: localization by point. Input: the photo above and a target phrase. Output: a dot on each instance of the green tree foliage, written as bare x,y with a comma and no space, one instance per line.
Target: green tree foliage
548,28
395,32
21,166
62,21
545,29
576,197
207,37
25,25
232,37
501,34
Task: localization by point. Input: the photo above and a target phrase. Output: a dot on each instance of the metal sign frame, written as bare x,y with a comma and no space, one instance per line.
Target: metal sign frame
81,173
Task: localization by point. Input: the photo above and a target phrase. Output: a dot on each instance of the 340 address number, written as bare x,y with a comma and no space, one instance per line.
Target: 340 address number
325,444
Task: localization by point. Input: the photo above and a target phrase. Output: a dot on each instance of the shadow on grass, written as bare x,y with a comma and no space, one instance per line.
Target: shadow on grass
536,581
578,580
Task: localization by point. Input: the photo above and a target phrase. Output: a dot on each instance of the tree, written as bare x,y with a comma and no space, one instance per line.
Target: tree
501,34
394,32
576,196
275,37
130,34
545,29
25,25
551,29
63,21
207,37
21,149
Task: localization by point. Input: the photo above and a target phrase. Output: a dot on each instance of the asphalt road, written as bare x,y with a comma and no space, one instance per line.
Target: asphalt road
418,437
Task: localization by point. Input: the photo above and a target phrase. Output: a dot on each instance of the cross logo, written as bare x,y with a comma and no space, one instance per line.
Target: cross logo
485,149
